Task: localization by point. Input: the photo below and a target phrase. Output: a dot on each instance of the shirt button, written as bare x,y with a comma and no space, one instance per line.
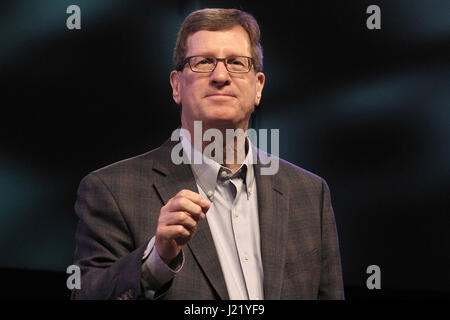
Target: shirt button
224,174
209,193
246,257
236,214
249,189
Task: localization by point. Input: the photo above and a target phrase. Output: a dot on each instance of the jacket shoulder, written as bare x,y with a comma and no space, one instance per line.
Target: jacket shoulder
289,171
307,179
292,169
127,171
133,163
291,175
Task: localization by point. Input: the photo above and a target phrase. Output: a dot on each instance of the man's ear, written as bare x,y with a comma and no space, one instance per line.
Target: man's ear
260,80
175,83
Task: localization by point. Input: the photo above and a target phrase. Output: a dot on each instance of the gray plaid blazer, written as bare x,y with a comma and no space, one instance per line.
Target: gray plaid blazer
118,208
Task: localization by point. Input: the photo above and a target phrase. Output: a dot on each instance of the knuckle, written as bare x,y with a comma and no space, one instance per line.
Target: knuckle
160,234
164,209
183,202
197,209
180,229
182,216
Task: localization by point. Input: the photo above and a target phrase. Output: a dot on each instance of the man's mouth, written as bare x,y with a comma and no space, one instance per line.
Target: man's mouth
220,95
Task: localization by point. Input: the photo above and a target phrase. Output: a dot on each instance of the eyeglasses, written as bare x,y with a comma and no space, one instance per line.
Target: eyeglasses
205,64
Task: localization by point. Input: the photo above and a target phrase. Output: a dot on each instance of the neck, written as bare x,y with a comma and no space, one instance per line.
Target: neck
232,142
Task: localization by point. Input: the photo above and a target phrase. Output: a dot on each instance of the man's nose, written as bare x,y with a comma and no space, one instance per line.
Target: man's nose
220,75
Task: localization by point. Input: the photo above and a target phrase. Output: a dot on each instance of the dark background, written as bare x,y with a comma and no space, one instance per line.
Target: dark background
368,110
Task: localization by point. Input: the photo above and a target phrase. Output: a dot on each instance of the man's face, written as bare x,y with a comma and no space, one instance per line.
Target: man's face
220,99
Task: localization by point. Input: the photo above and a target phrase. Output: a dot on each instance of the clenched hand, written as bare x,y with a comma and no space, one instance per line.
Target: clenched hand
178,221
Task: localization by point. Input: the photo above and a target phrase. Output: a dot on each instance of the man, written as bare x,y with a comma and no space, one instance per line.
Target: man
151,228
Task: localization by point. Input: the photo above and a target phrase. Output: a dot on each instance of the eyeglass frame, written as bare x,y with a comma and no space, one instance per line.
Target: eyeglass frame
180,67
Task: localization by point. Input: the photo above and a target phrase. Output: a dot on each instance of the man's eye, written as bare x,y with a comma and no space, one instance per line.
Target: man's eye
236,62
205,61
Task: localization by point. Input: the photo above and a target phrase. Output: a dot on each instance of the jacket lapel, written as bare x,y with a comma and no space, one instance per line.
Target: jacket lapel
273,223
176,178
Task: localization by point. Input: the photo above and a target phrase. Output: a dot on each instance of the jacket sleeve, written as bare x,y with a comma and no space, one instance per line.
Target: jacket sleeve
105,251
331,283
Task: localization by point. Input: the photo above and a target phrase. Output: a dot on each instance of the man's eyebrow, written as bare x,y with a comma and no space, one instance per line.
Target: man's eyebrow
207,53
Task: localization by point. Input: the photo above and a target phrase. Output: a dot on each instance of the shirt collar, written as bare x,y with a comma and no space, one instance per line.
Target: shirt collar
208,171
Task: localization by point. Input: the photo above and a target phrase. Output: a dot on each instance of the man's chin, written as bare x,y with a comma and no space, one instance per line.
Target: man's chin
222,120
220,112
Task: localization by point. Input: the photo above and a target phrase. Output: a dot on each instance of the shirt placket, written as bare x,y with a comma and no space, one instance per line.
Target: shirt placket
240,224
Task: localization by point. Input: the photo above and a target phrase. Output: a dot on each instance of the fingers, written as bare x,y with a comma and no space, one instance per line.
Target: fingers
181,218
195,198
175,232
191,202
178,221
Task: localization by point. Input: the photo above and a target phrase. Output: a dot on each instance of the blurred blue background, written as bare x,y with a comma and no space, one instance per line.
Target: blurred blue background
369,111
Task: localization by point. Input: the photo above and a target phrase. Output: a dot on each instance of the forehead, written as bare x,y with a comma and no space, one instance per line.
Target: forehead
221,43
